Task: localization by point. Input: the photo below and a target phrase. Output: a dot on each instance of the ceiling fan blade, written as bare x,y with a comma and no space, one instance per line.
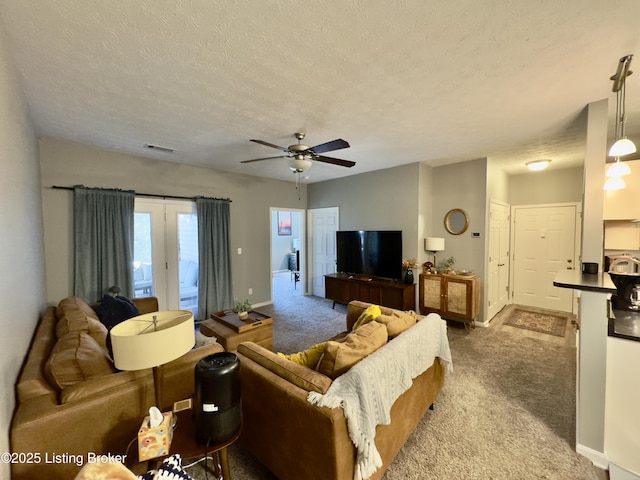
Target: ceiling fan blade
262,142
335,161
331,146
265,158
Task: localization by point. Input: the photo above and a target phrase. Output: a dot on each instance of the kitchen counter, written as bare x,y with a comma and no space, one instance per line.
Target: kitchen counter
623,324
591,282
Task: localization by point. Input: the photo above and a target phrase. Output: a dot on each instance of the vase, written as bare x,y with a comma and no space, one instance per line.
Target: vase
408,276
243,315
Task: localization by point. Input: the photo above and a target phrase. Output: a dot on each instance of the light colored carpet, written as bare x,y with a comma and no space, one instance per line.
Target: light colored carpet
506,412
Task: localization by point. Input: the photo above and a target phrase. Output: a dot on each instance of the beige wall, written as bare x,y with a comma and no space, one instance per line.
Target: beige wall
21,252
549,186
67,164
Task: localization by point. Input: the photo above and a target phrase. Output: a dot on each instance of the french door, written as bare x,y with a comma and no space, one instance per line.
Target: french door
165,260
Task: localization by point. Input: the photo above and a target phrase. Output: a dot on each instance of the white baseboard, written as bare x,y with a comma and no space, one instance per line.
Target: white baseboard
599,459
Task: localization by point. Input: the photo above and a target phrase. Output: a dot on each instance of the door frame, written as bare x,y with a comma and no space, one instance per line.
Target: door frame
303,247
310,213
508,266
577,244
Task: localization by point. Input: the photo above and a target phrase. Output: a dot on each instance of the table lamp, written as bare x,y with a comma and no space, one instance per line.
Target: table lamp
152,340
433,245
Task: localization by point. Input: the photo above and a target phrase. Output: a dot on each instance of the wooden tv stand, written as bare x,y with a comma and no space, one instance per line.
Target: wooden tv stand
342,288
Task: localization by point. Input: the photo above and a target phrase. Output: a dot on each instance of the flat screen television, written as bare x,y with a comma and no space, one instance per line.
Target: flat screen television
370,253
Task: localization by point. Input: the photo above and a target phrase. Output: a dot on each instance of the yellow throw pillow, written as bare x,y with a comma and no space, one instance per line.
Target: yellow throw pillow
338,357
397,322
371,313
308,358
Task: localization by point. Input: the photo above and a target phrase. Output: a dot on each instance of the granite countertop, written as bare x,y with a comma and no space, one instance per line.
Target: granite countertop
591,282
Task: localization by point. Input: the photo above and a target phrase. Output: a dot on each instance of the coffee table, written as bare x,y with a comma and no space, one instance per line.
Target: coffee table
230,331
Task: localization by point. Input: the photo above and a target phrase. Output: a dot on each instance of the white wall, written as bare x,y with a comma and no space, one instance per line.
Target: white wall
549,186
22,289
67,164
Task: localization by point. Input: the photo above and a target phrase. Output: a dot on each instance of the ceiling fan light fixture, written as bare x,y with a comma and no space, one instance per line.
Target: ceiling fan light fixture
622,147
300,163
538,165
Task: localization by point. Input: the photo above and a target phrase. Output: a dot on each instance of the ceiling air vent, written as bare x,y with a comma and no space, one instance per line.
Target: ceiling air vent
159,148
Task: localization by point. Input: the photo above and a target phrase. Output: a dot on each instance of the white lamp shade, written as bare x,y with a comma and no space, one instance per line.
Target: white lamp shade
138,345
434,244
624,146
300,163
618,169
614,183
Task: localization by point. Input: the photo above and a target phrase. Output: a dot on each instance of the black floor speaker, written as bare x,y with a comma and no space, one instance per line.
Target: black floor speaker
217,409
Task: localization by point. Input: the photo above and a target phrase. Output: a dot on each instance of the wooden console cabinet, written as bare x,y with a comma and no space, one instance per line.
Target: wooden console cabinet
454,297
342,288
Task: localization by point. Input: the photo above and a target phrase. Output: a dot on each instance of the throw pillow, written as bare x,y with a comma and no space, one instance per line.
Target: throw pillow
371,313
76,357
338,357
397,322
308,358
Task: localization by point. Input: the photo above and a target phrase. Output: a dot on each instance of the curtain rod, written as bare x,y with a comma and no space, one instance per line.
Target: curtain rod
153,195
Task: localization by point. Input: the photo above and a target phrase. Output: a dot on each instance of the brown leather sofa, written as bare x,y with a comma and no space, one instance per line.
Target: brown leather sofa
55,429
295,439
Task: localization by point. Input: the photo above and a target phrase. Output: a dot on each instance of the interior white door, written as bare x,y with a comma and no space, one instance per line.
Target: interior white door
323,223
498,282
544,244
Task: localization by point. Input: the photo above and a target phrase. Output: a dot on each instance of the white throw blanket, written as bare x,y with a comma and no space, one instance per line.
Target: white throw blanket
368,390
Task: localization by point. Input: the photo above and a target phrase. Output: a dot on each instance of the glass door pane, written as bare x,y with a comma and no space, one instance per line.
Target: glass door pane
142,258
188,261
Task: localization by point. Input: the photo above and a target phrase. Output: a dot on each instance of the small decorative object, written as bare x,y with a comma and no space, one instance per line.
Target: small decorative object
447,265
243,308
427,268
408,266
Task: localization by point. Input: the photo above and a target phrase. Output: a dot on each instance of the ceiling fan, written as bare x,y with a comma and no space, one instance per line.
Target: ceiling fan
303,155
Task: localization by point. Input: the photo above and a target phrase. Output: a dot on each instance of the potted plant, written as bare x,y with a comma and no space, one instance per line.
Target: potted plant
243,308
408,266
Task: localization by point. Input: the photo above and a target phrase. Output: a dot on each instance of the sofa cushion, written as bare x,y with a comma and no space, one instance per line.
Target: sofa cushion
74,306
371,313
308,358
80,323
338,357
299,375
397,322
76,357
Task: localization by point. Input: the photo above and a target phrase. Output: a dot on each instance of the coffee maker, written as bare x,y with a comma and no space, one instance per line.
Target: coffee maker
627,296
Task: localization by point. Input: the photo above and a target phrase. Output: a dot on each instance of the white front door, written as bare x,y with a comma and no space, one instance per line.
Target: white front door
498,287
544,245
323,225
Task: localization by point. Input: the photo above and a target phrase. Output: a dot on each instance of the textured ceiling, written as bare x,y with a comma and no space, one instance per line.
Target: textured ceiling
401,81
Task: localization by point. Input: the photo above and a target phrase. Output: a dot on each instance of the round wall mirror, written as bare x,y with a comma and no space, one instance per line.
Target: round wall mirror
456,221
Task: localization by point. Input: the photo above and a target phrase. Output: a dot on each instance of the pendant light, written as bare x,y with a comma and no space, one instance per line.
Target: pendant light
622,146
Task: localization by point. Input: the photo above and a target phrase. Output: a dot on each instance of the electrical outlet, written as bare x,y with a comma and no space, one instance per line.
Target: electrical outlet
251,291
239,251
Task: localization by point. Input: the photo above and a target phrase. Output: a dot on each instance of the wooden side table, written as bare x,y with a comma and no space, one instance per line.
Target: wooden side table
184,442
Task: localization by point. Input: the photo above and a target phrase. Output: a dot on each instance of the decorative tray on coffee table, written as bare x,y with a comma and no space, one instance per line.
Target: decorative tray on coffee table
231,319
